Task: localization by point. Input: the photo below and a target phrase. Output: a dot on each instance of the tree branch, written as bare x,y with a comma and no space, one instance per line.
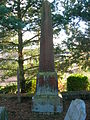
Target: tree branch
30,40
27,7
34,67
6,42
31,57
1,59
8,69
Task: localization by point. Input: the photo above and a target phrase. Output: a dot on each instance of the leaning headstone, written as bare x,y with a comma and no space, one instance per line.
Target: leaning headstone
76,111
3,114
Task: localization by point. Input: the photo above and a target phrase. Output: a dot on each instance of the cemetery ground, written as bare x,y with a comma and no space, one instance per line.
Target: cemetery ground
22,110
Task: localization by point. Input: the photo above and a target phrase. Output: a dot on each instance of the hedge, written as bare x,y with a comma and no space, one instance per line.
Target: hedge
77,82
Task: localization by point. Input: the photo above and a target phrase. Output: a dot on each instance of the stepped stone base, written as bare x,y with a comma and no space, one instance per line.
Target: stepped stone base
47,104
46,98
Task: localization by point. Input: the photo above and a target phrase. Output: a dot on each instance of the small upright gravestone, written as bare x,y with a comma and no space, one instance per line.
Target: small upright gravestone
46,98
3,114
76,111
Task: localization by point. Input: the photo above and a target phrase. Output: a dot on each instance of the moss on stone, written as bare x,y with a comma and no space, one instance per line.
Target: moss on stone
47,74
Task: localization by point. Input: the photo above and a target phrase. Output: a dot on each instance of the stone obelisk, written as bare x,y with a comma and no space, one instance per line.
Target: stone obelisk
46,41
46,98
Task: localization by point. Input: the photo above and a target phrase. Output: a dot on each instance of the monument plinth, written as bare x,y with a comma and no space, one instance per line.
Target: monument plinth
46,98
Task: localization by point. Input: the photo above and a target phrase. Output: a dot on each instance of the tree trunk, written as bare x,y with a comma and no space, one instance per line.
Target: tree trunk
20,54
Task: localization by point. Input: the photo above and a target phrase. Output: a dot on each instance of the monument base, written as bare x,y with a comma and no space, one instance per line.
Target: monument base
46,99
47,104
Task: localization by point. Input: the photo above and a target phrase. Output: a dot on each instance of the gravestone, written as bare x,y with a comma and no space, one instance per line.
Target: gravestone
76,111
3,114
46,98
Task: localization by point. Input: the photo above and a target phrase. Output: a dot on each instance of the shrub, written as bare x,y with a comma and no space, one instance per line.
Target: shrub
61,85
9,89
30,86
88,88
77,82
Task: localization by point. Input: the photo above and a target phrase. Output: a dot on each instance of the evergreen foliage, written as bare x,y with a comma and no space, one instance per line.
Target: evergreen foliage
77,82
18,17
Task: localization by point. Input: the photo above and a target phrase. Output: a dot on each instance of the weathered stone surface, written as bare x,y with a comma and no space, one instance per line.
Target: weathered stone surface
46,42
47,83
46,98
76,111
47,103
3,114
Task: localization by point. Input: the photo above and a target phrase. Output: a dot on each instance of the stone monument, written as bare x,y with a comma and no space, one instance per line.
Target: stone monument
3,113
76,110
46,98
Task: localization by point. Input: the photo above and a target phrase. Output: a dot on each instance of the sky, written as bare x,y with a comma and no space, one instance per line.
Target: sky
56,39
50,1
